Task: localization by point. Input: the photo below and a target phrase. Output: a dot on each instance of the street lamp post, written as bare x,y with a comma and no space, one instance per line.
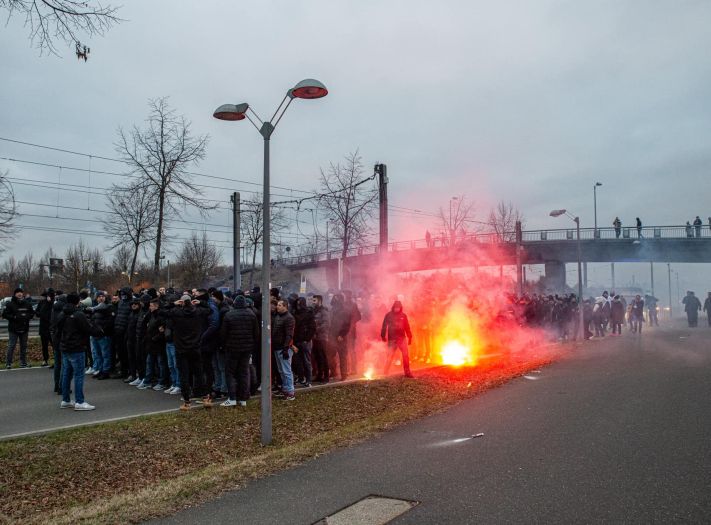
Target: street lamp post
576,219
595,206
306,89
451,226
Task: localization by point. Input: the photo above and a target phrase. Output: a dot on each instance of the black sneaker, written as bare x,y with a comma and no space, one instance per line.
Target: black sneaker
26,365
45,364
129,379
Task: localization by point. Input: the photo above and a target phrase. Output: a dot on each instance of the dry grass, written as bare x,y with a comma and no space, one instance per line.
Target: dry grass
130,471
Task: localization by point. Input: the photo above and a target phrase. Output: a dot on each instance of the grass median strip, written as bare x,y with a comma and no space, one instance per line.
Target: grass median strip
133,470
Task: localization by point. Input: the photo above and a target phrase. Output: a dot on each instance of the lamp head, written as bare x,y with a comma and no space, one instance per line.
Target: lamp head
598,184
308,88
557,213
231,111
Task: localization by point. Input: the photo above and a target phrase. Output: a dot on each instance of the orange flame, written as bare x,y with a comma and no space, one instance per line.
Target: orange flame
369,374
454,353
460,336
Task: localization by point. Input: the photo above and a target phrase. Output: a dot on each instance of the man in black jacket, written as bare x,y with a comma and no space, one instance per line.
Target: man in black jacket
239,334
188,326
44,312
119,343
140,335
133,379
396,331
102,315
282,339
74,329
303,336
18,313
339,328
59,304
707,308
322,320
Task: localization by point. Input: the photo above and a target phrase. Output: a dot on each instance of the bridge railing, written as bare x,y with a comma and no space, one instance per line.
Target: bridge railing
560,234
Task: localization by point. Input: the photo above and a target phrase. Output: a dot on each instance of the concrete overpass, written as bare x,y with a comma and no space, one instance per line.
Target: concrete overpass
552,248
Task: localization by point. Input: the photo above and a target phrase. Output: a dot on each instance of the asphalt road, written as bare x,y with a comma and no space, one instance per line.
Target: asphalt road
620,432
29,404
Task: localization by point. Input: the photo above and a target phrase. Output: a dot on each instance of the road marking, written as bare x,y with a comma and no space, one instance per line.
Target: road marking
371,510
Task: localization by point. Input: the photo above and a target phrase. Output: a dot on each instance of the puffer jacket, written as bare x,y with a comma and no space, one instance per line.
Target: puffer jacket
57,308
154,339
123,310
340,321
75,330
282,331
44,313
305,324
103,315
322,318
188,326
18,313
239,331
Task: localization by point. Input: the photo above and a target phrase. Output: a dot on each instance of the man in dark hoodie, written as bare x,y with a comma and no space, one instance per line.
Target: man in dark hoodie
134,378
239,334
102,315
57,309
340,326
44,312
141,323
208,338
119,343
303,335
189,318
18,313
396,331
154,342
75,330
322,320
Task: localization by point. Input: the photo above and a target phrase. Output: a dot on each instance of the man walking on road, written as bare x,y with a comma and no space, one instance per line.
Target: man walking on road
75,330
18,313
707,308
396,331
692,305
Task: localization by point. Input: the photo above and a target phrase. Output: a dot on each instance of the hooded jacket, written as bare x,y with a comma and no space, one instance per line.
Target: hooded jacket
240,329
395,324
18,313
57,308
123,310
44,313
75,330
340,319
154,339
322,320
102,315
617,312
305,322
188,326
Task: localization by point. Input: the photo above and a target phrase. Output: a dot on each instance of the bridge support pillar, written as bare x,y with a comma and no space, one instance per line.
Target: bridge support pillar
555,275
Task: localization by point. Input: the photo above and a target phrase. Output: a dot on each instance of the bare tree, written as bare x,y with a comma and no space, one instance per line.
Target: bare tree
8,211
198,256
80,264
63,20
502,221
123,257
161,155
133,221
347,200
458,217
252,227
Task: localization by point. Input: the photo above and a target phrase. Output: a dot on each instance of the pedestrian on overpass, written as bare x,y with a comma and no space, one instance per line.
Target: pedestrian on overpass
396,331
697,226
18,313
639,228
617,223
692,305
707,308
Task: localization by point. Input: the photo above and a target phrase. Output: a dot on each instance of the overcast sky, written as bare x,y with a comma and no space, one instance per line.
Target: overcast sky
525,101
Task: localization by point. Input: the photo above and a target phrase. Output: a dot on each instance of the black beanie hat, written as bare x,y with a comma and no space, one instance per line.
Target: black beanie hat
73,298
18,290
240,302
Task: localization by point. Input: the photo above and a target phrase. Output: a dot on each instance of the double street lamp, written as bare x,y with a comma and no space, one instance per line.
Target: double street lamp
306,89
558,213
595,206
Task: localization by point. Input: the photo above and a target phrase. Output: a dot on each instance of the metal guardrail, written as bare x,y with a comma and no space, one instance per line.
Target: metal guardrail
530,236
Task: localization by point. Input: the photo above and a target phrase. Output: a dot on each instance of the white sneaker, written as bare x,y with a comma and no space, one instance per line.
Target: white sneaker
143,385
84,406
229,403
89,371
66,404
243,403
136,382
168,390
175,391
158,387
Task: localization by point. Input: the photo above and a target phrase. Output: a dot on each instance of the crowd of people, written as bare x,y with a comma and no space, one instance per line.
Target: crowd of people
199,343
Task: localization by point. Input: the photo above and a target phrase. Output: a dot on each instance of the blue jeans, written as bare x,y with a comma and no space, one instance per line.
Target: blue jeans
12,343
284,366
172,365
101,353
155,365
218,365
73,364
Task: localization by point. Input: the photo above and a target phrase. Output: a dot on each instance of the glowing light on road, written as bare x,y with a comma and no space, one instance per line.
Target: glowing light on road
369,374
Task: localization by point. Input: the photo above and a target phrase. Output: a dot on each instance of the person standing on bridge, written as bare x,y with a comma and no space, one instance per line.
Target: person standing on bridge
396,331
617,223
639,228
707,308
428,238
692,305
18,313
697,226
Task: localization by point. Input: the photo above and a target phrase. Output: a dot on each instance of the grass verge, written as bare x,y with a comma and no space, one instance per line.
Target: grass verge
126,472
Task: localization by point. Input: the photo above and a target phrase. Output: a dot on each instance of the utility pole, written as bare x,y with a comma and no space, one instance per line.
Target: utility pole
612,268
382,171
651,271
671,315
236,270
519,268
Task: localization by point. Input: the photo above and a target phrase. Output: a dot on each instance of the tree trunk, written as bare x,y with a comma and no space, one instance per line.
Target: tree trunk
133,263
159,233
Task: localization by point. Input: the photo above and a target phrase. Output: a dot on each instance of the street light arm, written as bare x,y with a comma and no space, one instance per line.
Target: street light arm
284,111
252,121
279,108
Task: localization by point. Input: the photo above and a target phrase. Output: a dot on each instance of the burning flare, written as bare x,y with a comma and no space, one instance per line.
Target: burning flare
454,353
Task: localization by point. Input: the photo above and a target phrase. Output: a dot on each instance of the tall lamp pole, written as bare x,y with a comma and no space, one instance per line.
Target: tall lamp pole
595,206
306,89
576,219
